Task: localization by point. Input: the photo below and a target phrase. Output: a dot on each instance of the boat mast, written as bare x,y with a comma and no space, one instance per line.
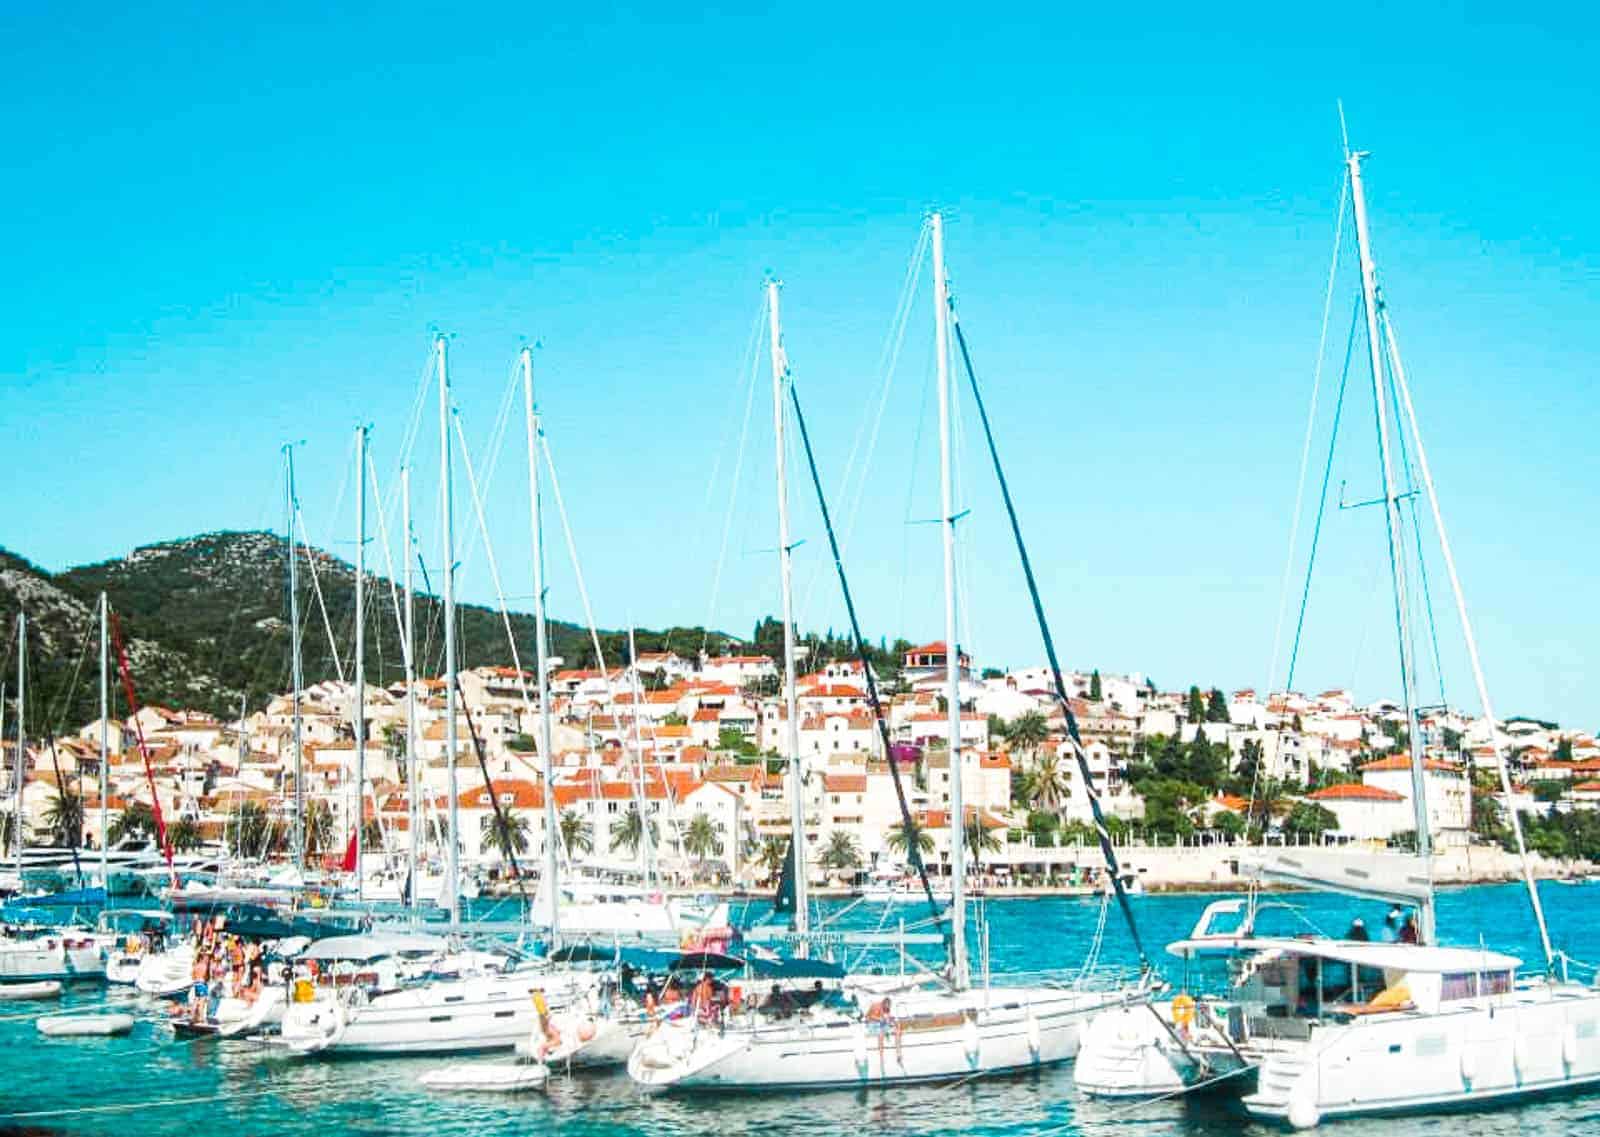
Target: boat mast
105,749
1472,642
297,830
952,651
797,783
22,736
1392,523
453,856
549,885
652,867
414,817
358,710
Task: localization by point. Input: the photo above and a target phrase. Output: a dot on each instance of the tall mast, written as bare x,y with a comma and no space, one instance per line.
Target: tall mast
105,749
453,856
297,830
952,650
797,782
414,814
1392,523
358,709
547,758
647,845
22,735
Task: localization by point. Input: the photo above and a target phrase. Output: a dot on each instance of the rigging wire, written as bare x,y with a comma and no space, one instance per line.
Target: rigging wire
1305,447
1107,851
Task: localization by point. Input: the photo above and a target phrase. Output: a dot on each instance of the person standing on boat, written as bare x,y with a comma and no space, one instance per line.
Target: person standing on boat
1358,931
1390,932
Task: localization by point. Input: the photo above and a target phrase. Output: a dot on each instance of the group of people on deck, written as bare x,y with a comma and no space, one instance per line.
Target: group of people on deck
225,967
1398,928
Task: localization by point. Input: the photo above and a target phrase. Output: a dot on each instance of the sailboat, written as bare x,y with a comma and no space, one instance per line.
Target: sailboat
951,1029
1318,1029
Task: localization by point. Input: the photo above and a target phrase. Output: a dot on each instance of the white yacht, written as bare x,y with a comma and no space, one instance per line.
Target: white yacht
29,955
382,993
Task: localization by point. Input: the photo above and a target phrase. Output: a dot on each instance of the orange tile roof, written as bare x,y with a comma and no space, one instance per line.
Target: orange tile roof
845,783
1403,762
1354,791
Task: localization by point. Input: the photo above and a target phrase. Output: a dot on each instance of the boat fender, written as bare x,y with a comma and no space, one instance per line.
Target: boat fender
1303,1112
1469,1066
1519,1055
969,1038
859,1046
586,1030
1569,1045
1035,1043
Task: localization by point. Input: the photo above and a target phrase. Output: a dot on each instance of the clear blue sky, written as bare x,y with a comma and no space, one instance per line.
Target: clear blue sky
220,235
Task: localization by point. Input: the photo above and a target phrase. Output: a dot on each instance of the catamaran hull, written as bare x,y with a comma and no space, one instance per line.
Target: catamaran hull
1128,1052
1531,1044
1017,1031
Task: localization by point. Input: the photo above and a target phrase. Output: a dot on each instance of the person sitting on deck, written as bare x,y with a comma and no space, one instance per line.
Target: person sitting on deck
1408,930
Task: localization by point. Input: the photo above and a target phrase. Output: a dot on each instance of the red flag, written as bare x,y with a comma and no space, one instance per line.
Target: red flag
349,864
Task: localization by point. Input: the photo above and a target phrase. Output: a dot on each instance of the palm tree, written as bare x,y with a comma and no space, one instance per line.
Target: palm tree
1028,731
136,820
184,834
63,819
980,840
249,830
318,828
901,837
774,851
700,840
842,852
508,833
577,835
1048,785
628,831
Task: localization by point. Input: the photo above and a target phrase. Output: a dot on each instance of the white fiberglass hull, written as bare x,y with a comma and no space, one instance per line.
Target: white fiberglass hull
53,956
945,1036
452,1016
1540,1039
1127,1052
166,974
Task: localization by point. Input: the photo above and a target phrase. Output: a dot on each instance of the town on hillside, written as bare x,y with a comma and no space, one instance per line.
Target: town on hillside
693,745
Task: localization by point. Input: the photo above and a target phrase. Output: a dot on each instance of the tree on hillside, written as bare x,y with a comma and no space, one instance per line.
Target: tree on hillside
980,839
63,819
1048,786
842,852
901,836
577,835
1196,709
1564,750
1308,819
137,820
1028,732
700,840
1217,707
1095,692
508,833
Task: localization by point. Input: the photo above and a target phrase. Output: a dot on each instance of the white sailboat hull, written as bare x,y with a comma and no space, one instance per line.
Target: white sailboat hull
53,956
1537,1040
946,1036
478,1013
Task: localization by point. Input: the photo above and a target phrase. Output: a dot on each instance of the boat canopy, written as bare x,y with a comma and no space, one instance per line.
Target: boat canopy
1415,958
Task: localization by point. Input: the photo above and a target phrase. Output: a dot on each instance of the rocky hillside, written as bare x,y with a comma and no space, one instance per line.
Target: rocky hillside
206,621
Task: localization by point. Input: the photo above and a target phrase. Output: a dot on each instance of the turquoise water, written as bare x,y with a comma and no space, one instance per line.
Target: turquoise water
214,1088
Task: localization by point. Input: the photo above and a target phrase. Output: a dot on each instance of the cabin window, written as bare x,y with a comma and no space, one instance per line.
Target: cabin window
1458,985
1494,983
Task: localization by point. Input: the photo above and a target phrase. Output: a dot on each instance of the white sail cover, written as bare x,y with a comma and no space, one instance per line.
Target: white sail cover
1398,878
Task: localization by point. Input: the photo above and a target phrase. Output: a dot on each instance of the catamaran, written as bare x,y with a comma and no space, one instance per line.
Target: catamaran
1316,1028
948,1028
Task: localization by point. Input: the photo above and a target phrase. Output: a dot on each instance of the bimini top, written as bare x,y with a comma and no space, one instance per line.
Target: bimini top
1388,956
374,945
